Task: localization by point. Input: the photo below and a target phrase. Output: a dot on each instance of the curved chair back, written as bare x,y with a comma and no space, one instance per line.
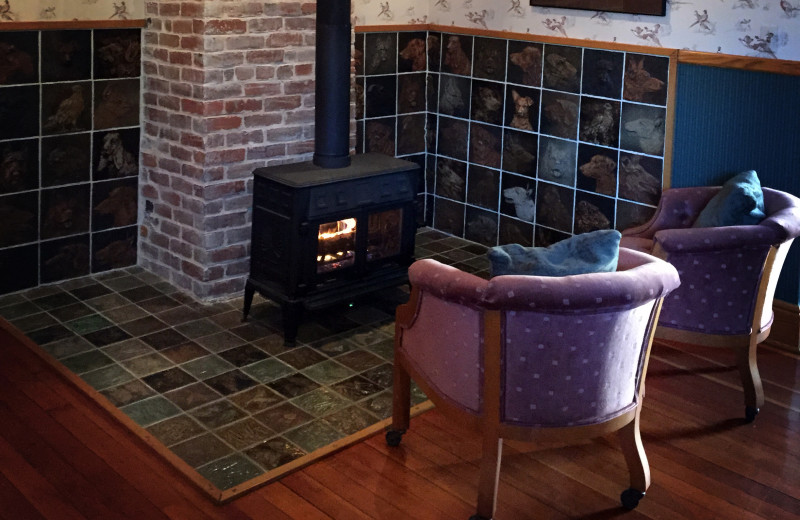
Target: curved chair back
527,356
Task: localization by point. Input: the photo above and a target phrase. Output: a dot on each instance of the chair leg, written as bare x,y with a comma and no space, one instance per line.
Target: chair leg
631,442
751,380
401,405
490,477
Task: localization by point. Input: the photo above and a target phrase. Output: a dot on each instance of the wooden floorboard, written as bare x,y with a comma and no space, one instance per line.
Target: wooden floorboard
63,457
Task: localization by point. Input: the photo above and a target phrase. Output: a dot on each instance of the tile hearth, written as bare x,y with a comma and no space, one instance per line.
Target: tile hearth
227,397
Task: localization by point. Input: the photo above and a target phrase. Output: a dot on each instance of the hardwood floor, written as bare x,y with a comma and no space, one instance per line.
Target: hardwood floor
63,457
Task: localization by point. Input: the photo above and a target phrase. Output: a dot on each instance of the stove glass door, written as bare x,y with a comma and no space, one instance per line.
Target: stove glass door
336,245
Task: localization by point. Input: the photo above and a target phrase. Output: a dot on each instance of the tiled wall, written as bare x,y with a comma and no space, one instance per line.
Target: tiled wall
69,153
524,142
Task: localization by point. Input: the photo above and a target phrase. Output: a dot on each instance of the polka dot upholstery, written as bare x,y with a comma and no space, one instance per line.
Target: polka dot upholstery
572,347
720,268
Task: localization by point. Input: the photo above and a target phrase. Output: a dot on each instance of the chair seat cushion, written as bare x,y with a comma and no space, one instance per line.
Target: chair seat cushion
594,252
740,202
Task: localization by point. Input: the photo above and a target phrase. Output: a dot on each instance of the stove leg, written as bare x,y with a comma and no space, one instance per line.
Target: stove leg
292,314
249,292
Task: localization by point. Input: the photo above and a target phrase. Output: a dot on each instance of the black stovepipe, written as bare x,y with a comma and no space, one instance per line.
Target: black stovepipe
332,112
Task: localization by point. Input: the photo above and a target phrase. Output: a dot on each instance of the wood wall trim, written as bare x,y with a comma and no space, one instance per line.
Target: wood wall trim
731,61
72,24
710,59
785,333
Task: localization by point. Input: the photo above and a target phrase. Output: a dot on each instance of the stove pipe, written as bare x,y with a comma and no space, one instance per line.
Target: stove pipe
332,112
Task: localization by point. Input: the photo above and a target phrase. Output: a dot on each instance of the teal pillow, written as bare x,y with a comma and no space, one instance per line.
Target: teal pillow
740,202
594,252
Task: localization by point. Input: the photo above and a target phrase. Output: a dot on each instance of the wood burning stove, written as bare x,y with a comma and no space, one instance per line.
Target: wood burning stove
337,227
323,236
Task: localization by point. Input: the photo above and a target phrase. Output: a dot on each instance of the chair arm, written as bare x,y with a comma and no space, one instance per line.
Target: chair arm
715,239
678,208
447,282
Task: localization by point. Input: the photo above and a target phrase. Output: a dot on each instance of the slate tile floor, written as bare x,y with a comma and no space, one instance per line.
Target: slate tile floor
227,397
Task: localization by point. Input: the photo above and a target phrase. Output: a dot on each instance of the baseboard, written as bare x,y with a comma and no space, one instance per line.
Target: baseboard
785,332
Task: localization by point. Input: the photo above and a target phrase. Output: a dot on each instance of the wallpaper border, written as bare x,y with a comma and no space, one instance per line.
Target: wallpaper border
709,59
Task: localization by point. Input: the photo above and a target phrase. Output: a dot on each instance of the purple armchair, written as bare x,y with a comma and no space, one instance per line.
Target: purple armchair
728,275
530,358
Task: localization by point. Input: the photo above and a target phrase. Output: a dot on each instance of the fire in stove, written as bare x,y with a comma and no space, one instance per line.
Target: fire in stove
336,245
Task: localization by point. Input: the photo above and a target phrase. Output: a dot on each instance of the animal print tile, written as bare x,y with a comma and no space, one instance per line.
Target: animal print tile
117,53
66,159
66,56
525,63
434,45
116,103
358,54
513,231
630,214
483,187
115,204
380,53
485,145
454,97
562,68
65,211
646,79
449,216
546,237
593,212
643,129
412,55
380,96
519,152
602,73
451,178
116,154
432,93
358,94
19,55
20,219
22,262
519,196
599,121
113,249
554,207
487,102
411,93
480,226
597,169
21,105
411,134
457,54
522,108
640,178
19,166
452,138
65,258
557,160
66,107
560,114
490,58
380,136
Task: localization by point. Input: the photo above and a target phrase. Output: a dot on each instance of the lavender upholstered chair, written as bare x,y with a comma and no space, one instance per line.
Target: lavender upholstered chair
728,275
530,357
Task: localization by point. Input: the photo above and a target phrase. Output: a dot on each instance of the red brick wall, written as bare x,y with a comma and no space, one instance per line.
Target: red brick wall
228,87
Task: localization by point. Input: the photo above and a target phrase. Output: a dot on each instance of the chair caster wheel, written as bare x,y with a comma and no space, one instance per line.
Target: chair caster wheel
750,413
393,437
630,498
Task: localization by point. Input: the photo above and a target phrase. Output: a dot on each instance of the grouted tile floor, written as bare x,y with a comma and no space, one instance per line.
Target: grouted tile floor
227,397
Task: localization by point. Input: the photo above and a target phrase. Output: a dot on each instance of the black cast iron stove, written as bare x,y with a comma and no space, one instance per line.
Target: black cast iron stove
328,230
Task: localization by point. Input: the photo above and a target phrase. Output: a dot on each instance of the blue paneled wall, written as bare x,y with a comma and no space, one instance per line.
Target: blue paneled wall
729,120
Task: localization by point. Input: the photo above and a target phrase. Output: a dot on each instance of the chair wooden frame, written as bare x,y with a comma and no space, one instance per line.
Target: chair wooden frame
493,432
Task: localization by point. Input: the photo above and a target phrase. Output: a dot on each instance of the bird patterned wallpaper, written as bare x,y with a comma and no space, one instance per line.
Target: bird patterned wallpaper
757,28
59,10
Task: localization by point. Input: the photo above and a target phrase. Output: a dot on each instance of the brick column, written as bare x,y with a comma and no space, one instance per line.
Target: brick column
228,87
